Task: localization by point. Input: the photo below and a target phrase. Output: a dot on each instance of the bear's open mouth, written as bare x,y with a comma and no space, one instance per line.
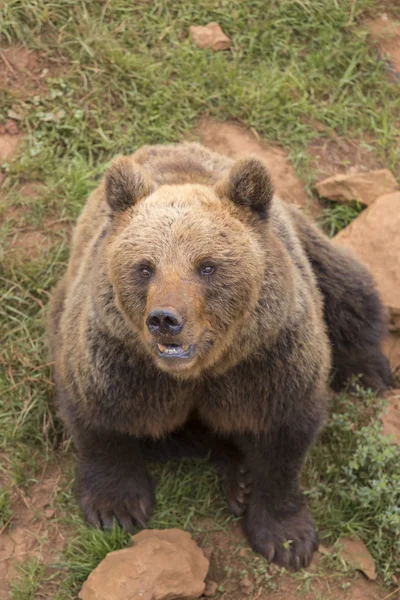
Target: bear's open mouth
175,351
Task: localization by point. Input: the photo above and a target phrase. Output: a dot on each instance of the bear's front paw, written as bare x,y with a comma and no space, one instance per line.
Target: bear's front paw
289,541
103,498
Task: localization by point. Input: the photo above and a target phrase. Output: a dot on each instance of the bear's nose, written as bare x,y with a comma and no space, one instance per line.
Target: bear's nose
164,321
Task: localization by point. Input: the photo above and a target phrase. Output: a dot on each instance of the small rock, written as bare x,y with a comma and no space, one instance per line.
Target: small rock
8,146
391,416
211,36
391,349
355,552
161,565
208,552
11,127
364,187
49,513
211,589
246,586
374,236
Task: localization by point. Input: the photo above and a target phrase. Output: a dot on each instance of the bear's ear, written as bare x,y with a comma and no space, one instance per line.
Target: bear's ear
249,185
125,184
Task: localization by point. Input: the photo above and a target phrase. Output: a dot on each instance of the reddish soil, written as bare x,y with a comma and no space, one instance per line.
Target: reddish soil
385,34
34,531
236,141
23,241
23,72
332,155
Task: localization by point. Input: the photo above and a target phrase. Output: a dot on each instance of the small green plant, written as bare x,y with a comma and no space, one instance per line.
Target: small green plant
27,586
354,480
6,511
337,216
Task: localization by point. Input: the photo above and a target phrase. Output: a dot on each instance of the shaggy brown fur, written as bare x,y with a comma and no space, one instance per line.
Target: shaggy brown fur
181,246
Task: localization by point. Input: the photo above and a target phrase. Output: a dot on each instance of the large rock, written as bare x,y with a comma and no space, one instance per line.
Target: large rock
210,36
236,141
364,187
160,565
374,236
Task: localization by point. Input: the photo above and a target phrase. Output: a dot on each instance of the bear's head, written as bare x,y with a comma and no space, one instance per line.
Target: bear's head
187,261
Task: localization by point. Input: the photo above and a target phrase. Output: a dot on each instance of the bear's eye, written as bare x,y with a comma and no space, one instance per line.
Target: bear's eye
207,270
145,271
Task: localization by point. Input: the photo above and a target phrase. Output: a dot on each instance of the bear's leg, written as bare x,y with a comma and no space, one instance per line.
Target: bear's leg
277,522
112,481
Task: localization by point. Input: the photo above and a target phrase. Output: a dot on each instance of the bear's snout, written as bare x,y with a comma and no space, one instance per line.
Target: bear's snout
164,321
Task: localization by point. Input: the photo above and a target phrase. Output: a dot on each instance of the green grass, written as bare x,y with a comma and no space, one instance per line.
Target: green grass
29,582
6,511
122,74
337,216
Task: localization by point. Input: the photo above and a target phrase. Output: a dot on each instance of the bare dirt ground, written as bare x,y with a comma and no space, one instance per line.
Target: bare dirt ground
236,141
385,34
24,71
35,531
333,154
22,239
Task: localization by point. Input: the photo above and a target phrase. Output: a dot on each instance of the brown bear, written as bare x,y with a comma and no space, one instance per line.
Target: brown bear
199,308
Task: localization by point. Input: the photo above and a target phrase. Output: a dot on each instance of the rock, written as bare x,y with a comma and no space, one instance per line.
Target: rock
374,236
391,416
161,564
364,187
10,127
237,142
211,36
356,554
211,589
246,586
391,348
8,146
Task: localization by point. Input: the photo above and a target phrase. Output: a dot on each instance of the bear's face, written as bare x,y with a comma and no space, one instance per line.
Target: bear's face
186,264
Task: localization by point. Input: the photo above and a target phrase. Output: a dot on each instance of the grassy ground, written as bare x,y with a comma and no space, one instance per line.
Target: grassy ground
121,74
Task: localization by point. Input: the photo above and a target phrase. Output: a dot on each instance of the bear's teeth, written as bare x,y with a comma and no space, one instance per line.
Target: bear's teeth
172,349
